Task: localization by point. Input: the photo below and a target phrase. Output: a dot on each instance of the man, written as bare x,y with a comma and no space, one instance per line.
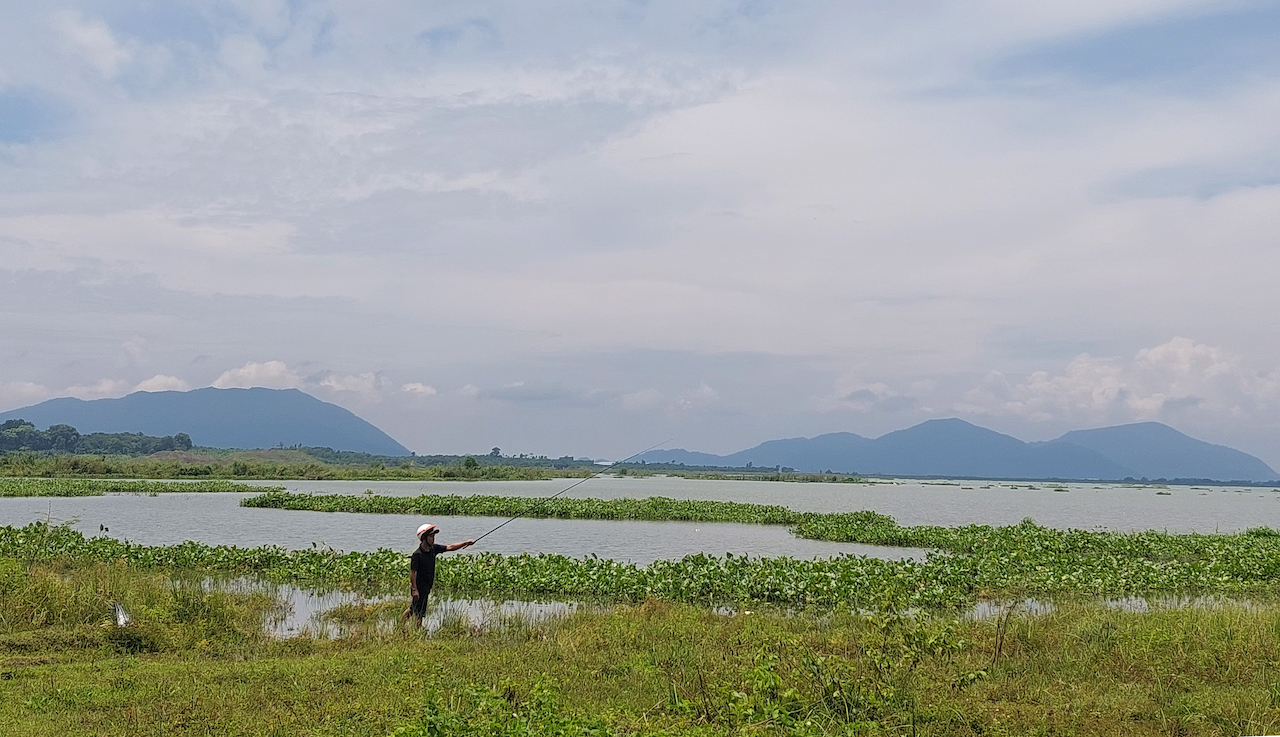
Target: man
422,569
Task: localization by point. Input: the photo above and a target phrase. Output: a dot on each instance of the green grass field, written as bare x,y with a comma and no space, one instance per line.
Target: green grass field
195,663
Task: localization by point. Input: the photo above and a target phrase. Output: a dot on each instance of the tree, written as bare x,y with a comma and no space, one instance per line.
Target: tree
63,437
496,452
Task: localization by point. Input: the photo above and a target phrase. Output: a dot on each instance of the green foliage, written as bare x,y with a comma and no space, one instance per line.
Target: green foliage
13,487
978,558
20,435
486,712
165,615
251,465
981,561
652,508
655,669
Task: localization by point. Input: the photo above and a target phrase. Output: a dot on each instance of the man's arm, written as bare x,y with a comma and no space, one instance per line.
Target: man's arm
413,583
459,546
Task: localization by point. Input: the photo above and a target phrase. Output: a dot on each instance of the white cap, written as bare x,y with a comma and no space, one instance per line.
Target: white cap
427,528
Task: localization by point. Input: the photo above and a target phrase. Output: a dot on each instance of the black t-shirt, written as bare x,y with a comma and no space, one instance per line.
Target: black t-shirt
424,562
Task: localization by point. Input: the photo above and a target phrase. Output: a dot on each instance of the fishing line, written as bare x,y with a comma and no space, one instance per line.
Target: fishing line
579,482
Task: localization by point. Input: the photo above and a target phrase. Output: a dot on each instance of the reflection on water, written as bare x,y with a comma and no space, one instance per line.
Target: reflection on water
334,613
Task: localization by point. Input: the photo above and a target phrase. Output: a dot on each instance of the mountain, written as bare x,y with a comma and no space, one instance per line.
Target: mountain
220,418
1154,450
953,447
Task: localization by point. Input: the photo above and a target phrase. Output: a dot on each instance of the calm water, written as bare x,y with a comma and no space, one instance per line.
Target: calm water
217,518
949,503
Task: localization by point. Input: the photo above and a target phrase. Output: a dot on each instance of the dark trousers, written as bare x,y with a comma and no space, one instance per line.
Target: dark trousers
418,607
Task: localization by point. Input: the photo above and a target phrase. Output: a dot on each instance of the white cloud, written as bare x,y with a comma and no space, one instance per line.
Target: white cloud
820,182
644,399
104,388
243,55
17,393
270,374
703,396
1177,377
368,385
162,383
93,41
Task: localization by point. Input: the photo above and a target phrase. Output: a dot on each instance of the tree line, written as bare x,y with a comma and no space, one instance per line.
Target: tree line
20,435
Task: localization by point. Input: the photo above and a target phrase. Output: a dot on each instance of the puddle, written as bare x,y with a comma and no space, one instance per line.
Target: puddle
336,613
987,610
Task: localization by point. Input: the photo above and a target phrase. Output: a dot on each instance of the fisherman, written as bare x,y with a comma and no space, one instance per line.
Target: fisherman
422,569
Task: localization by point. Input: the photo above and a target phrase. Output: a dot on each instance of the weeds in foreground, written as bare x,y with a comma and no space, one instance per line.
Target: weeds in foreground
651,669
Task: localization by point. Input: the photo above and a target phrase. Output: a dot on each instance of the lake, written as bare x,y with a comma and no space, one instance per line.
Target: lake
216,519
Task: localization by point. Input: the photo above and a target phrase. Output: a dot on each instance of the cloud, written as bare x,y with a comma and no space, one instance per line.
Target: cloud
613,210
703,396
1167,380
369,385
644,399
162,383
853,394
14,393
270,374
419,389
93,41
103,388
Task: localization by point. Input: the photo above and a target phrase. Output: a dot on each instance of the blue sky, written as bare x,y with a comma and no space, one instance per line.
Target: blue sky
581,227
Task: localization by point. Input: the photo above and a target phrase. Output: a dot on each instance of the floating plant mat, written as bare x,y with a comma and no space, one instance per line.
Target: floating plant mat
980,563
26,487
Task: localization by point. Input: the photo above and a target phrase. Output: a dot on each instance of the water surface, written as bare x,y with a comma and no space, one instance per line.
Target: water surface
947,503
217,519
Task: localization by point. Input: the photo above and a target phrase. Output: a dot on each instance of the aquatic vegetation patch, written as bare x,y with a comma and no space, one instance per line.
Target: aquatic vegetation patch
65,487
977,558
651,508
981,562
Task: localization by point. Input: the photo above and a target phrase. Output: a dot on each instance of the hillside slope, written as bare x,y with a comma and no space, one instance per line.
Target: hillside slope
220,418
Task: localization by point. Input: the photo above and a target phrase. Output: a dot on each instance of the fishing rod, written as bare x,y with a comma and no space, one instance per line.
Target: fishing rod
579,482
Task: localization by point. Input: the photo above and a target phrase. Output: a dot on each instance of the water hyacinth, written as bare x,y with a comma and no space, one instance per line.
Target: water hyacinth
652,508
973,562
67,487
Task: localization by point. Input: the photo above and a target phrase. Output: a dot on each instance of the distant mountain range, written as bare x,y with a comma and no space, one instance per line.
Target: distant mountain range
957,448
220,418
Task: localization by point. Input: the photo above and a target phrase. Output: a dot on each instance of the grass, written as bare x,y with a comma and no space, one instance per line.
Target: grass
28,487
193,664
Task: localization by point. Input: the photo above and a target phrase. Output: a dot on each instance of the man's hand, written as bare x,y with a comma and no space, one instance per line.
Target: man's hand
468,543
414,593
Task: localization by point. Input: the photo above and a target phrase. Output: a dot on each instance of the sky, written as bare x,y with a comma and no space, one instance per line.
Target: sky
587,227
